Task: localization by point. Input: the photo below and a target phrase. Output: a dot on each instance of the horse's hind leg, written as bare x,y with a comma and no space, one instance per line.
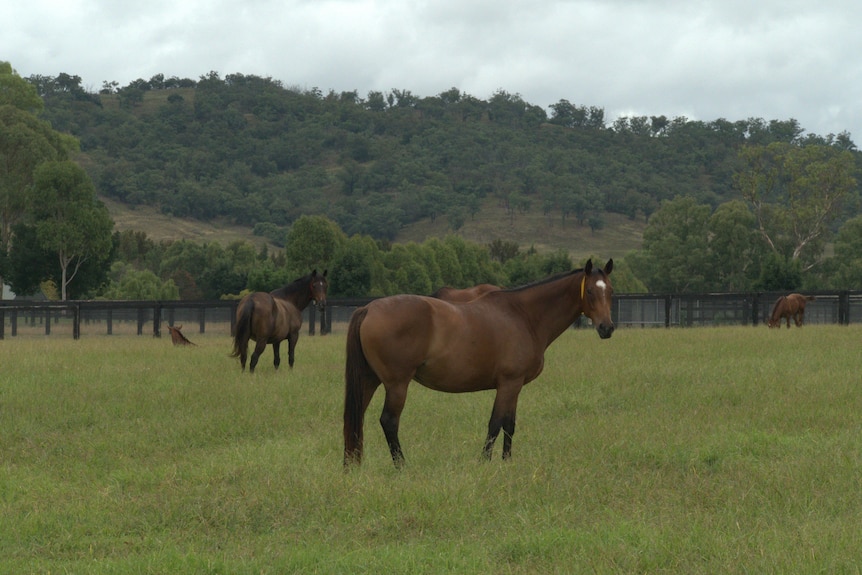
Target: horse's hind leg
255,355
393,405
502,417
276,354
291,347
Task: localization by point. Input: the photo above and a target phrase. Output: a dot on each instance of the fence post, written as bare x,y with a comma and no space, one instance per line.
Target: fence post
312,319
76,321
755,308
844,308
667,310
47,321
2,323
157,320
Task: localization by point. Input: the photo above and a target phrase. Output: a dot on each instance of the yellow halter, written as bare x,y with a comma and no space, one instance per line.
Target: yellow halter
583,285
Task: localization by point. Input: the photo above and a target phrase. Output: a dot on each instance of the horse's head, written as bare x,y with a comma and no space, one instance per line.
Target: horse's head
596,297
319,286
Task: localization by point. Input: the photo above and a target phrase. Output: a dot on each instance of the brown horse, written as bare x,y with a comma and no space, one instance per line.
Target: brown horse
789,306
275,316
455,295
497,341
177,337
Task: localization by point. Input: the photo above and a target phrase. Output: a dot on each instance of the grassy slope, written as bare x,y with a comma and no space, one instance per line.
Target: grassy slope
533,229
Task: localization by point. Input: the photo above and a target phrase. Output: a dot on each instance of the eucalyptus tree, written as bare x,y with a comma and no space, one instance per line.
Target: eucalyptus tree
795,193
70,220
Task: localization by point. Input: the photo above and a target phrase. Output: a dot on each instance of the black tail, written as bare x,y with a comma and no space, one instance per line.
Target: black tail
242,332
356,371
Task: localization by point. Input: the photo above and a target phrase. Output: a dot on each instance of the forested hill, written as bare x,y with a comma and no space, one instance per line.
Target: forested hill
261,153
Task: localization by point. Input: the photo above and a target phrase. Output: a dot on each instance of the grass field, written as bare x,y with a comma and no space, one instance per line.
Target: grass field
723,450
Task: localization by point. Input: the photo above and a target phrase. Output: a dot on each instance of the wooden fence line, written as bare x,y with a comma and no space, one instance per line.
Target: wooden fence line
630,310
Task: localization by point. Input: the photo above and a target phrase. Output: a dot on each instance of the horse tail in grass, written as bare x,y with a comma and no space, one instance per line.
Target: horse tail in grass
242,333
356,372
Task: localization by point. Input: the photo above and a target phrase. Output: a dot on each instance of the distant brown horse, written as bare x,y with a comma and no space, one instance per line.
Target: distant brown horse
496,341
788,306
275,316
455,295
177,337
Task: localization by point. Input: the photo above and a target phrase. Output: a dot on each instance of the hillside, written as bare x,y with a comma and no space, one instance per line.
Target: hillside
218,157
619,235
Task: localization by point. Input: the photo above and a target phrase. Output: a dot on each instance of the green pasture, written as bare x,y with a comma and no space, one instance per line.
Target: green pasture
706,450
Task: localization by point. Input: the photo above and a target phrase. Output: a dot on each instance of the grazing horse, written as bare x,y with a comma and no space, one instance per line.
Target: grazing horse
455,295
275,316
497,341
788,306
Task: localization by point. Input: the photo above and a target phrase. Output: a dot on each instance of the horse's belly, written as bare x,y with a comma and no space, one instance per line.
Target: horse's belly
450,378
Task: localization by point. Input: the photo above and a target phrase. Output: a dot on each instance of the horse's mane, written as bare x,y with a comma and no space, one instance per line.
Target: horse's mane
293,287
546,280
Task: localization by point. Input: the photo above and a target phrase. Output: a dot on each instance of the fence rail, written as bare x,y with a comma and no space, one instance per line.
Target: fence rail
93,317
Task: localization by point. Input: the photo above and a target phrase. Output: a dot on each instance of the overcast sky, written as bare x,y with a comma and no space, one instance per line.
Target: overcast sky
732,59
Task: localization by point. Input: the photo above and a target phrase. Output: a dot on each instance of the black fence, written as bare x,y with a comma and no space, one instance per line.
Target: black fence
96,317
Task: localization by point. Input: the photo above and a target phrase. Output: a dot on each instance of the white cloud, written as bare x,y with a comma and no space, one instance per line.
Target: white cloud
703,59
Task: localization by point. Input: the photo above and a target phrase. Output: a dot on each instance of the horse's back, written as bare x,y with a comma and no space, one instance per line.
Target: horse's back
445,346
455,295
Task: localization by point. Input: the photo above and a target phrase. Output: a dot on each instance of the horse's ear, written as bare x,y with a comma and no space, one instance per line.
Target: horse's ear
588,267
609,267
325,272
313,272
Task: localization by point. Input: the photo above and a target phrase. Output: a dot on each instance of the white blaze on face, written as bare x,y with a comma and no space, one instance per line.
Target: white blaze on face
602,285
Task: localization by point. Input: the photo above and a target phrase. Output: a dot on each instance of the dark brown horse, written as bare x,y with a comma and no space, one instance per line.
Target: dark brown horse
497,341
275,316
789,306
455,295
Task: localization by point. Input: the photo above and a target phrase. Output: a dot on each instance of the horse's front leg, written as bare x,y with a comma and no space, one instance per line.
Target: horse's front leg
502,417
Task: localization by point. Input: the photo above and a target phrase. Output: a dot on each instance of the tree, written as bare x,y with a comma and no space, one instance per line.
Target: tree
312,243
128,283
675,256
25,142
735,246
69,220
17,92
351,269
795,192
848,255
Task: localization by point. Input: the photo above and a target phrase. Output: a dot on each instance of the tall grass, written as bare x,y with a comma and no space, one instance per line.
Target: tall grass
727,450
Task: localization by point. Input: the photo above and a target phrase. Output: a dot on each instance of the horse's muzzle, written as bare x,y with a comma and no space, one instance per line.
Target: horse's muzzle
605,330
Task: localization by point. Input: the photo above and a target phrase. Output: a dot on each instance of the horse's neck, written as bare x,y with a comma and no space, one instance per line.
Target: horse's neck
553,306
298,297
